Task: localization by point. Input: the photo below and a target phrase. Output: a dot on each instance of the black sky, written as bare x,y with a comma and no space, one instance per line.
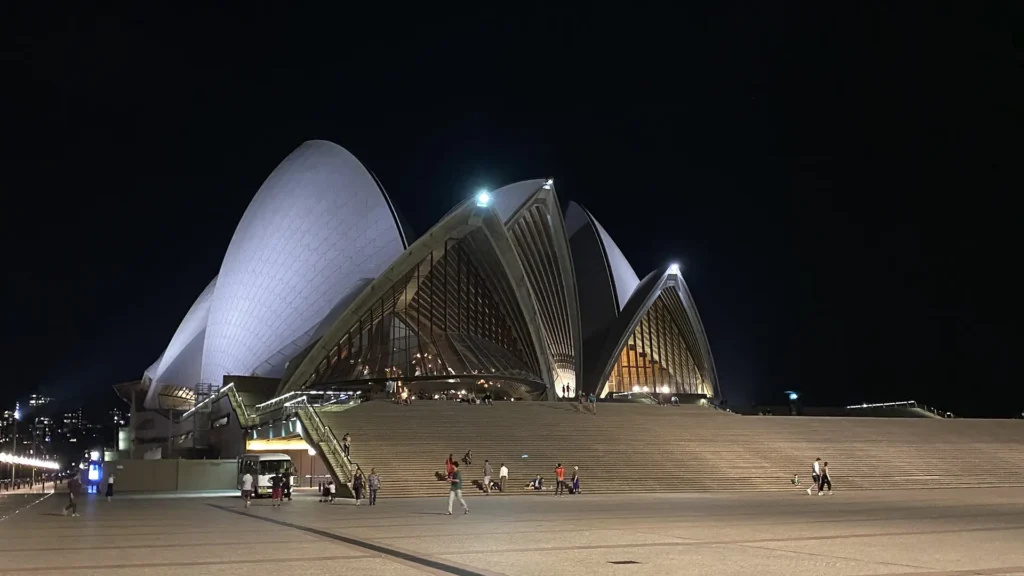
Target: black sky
840,182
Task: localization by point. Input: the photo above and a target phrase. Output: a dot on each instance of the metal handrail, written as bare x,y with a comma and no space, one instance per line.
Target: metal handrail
299,406
245,419
278,401
326,436
904,404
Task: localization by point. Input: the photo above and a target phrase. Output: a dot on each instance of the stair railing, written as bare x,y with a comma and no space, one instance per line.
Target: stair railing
319,432
323,436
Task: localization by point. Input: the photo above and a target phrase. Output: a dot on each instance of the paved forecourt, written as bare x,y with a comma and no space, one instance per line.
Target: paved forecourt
15,501
925,532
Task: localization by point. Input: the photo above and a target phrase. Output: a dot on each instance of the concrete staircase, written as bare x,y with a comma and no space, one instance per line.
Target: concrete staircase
674,449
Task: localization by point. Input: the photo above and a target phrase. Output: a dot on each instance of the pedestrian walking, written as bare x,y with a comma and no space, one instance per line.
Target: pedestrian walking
559,480
110,487
449,466
502,477
247,488
815,475
333,489
74,490
575,488
374,483
825,480
487,476
456,491
276,483
346,446
358,483
593,404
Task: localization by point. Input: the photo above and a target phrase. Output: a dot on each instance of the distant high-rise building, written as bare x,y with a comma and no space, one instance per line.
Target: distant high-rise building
44,429
72,420
118,417
5,426
36,400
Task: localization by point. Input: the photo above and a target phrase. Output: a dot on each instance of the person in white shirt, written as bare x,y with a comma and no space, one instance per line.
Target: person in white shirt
815,475
487,476
246,487
110,487
502,476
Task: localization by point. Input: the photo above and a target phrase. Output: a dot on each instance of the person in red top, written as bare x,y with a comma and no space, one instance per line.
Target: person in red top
559,480
449,466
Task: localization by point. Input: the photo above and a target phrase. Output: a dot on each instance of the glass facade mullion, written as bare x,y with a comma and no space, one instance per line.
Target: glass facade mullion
660,353
642,359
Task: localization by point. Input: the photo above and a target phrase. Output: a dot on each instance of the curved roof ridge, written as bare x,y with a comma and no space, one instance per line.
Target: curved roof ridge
508,199
623,277
318,223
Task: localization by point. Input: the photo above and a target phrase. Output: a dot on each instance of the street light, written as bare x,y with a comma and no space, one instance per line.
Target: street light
14,441
483,198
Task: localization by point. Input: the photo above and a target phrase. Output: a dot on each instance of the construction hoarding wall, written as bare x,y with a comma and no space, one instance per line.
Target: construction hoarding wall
172,475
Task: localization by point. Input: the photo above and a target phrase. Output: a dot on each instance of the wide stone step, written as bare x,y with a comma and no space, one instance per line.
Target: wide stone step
674,449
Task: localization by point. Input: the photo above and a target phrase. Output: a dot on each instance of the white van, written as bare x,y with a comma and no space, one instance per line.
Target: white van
262,466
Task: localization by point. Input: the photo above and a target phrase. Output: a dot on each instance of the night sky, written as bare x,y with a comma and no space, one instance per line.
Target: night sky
837,181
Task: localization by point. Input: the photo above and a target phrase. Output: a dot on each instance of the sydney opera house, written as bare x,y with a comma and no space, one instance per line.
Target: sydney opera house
323,288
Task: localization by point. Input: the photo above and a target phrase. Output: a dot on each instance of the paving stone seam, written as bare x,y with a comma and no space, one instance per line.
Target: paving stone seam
81,567
832,556
590,520
29,505
274,541
963,572
745,542
382,550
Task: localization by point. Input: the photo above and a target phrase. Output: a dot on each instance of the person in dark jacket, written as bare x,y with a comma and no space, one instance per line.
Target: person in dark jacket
74,491
276,490
358,483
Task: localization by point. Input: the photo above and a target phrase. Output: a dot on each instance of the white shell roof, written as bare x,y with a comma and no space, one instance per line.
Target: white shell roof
318,226
623,276
507,199
179,365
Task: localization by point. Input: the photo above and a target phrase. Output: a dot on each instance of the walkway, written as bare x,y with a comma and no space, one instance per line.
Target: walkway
926,533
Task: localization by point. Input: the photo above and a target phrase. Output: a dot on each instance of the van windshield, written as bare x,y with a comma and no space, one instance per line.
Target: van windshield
275,466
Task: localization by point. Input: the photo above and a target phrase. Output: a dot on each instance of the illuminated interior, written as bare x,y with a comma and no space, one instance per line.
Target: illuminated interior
656,359
448,317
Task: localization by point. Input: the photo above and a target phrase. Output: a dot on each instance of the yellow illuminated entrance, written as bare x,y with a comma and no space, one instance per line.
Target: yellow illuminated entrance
276,445
656,359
